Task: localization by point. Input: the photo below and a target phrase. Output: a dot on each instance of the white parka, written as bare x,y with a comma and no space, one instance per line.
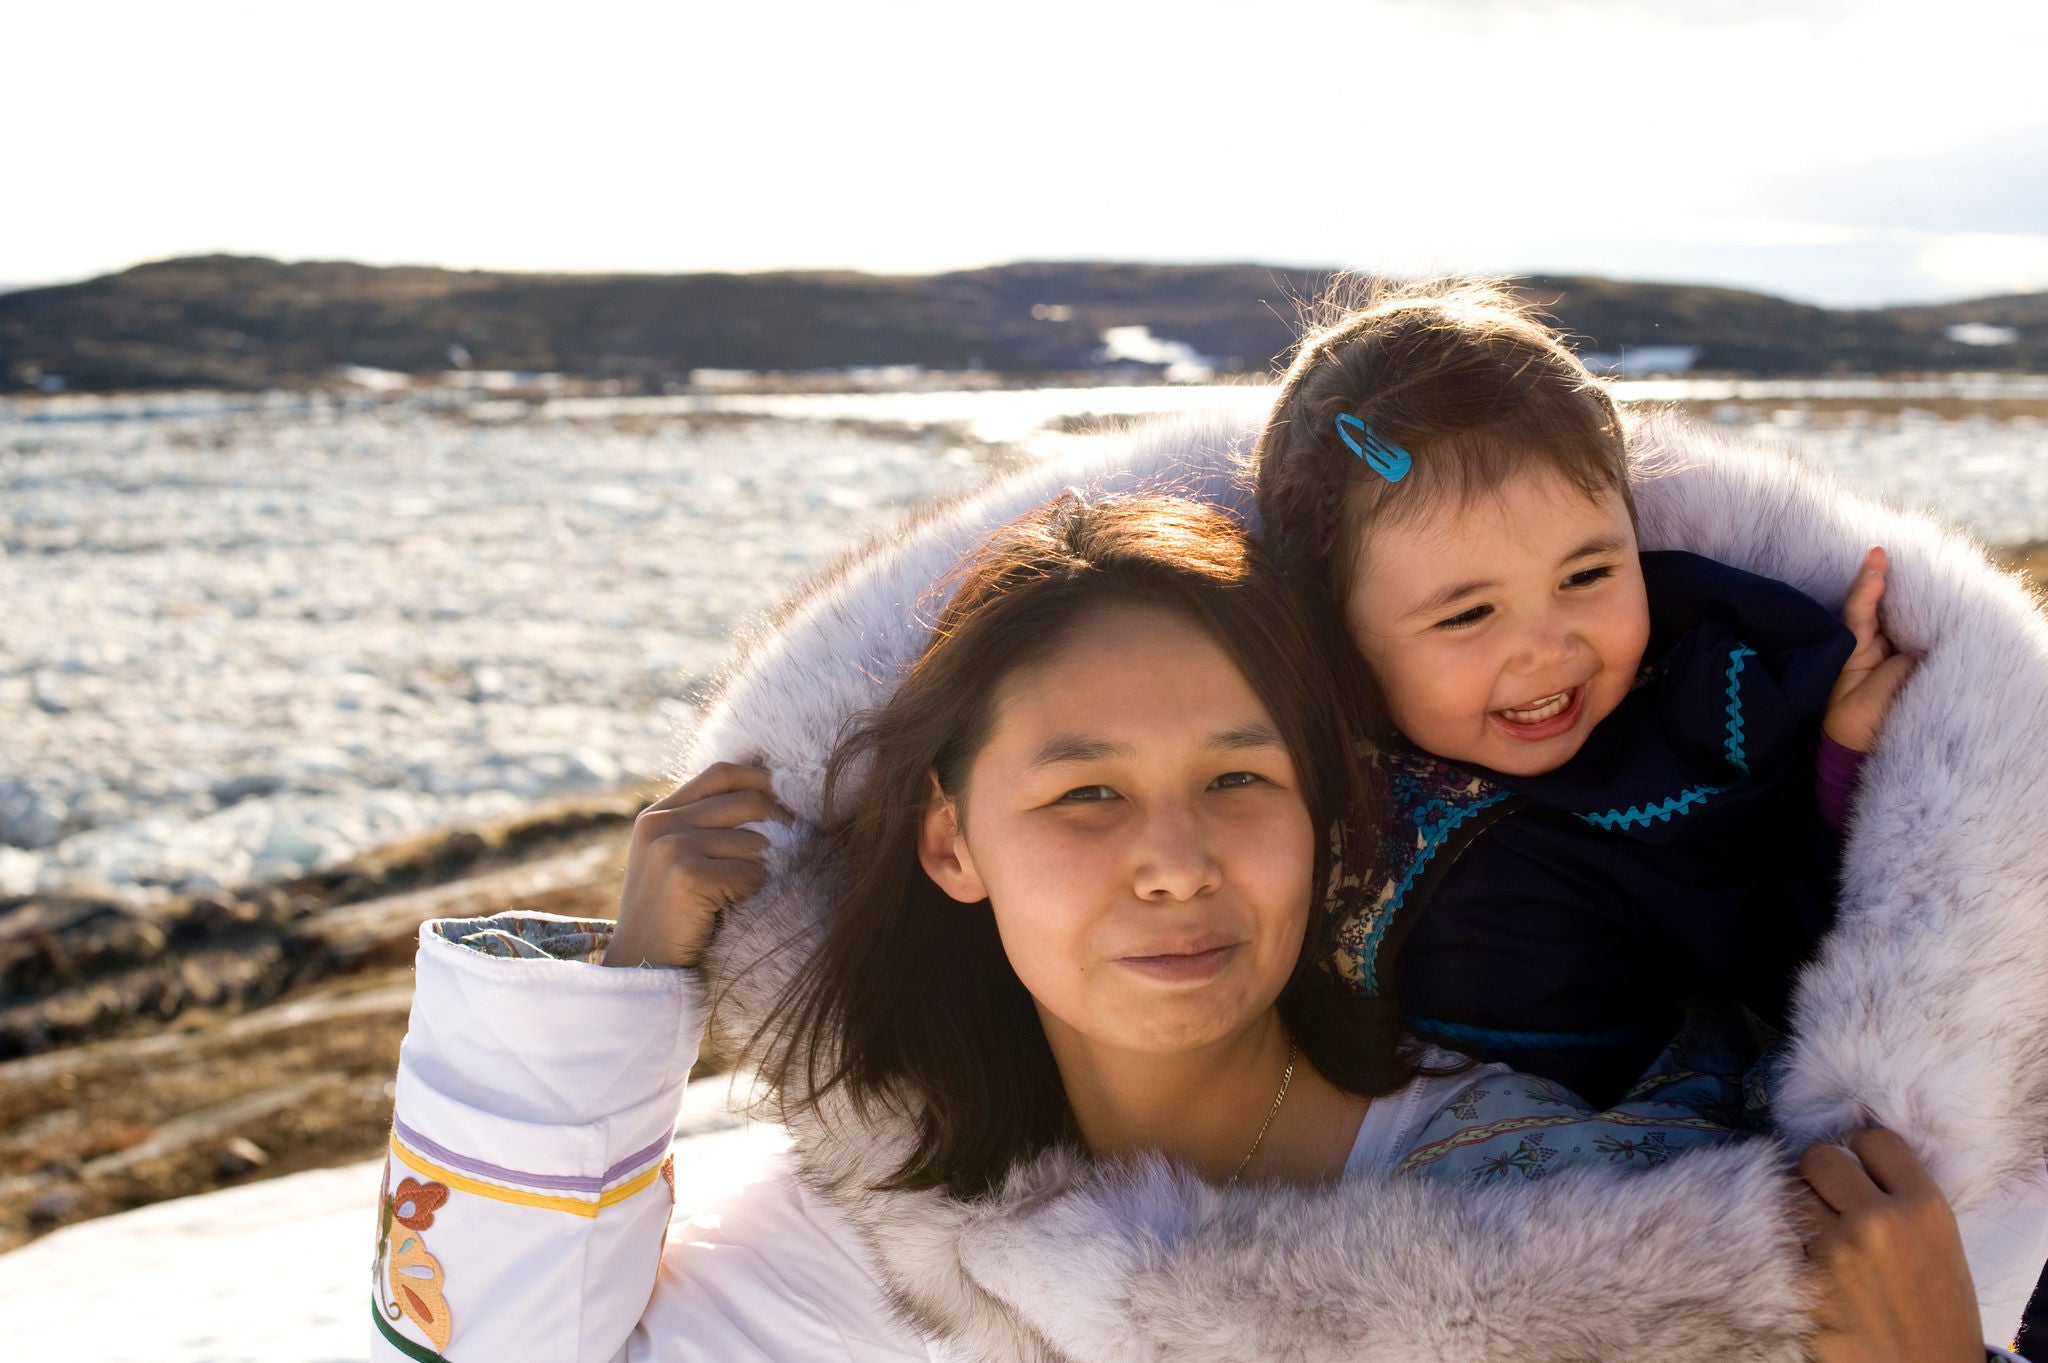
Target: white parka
1926,1011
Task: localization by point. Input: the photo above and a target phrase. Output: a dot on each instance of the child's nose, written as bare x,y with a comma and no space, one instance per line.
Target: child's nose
1546,644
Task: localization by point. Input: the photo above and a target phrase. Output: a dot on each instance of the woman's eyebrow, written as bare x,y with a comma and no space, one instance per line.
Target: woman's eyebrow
1063,750
1247,736
1060,751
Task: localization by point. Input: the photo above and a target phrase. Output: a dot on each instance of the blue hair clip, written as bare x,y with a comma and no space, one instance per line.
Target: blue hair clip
1390,462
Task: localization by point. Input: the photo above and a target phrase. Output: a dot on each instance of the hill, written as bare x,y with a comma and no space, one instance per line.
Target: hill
251,323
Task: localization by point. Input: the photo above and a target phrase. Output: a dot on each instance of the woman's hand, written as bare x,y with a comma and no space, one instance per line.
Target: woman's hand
1874,674
1891,1280
689,857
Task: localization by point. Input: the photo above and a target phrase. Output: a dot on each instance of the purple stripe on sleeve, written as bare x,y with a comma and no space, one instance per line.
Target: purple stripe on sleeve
636,1159
562,1183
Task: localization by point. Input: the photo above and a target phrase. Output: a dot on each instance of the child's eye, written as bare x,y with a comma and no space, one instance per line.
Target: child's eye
1087,795
1465,619
1587,577
1236,780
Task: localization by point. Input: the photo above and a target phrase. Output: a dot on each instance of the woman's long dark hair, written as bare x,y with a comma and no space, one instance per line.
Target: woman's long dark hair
910,1002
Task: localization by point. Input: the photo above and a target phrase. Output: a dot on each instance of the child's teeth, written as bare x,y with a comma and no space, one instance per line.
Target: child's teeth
1547,708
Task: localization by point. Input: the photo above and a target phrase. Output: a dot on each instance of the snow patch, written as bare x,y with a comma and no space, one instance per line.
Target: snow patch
1982,333
270,1272
1647,359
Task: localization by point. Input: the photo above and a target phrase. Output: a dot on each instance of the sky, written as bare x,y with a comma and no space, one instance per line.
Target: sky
1847,152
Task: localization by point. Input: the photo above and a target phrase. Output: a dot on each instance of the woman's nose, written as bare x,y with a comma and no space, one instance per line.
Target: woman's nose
1174,859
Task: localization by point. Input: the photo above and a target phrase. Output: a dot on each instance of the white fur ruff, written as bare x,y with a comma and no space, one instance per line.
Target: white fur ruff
1927,1010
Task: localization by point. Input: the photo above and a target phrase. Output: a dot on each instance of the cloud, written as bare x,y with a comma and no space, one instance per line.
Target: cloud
1706,13
1986,262
1683,138
1995,186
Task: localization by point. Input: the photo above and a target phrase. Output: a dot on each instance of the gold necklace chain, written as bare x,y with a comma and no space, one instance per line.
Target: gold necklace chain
1271,1113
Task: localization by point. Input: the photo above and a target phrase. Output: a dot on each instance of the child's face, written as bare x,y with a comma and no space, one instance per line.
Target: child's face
1503,631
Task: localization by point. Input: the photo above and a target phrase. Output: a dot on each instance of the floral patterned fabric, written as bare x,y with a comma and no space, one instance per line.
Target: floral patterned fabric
1433,812
1517,1128
514,936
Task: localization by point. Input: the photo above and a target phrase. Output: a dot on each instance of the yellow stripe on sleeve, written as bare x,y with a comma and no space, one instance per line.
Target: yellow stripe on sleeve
499,1193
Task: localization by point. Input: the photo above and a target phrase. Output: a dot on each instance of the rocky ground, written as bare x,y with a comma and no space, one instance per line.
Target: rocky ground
222,1040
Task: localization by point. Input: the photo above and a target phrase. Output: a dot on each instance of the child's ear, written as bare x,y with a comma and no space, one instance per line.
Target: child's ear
942,848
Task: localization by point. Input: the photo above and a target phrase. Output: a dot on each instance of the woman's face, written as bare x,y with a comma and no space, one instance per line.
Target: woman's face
1136,822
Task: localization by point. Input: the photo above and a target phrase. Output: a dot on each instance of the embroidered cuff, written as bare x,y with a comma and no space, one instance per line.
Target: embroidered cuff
577,1170
530,936
519,1032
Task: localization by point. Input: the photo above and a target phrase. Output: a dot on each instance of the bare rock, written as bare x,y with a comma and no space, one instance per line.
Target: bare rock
53,1208
48,697
249,785
30,817
239,1156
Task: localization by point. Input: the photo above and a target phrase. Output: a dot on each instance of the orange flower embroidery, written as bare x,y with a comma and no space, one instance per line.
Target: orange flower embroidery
414,1204
416,1275
409,1278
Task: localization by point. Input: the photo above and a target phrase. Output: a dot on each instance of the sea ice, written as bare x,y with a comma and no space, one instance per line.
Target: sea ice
249,639
247,636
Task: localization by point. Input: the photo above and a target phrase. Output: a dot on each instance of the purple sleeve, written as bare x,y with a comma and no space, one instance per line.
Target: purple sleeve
1834,781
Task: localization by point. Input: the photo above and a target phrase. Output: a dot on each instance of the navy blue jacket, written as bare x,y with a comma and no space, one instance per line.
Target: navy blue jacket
1562,922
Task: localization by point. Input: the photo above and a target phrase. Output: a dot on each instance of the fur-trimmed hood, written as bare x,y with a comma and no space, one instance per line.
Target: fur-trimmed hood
1926,1011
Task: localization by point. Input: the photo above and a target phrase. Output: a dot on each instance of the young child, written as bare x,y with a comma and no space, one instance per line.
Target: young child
1602,790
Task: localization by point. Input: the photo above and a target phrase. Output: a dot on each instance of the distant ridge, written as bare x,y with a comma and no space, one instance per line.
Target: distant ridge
251,323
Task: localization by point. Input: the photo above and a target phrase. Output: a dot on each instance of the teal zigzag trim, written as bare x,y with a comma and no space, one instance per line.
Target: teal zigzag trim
1682,803
1433,836
1736,737
1688,800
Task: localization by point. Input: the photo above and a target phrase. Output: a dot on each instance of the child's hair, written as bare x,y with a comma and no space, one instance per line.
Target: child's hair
1457,372
909,1000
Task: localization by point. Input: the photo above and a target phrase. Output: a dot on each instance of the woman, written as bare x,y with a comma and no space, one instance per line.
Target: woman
1139,795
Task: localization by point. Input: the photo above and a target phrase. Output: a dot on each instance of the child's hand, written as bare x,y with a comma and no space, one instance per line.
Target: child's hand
689,857
1874,674
1890,1280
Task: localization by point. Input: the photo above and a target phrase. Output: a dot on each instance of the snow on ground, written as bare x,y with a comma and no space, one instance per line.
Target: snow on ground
245,637
272,1272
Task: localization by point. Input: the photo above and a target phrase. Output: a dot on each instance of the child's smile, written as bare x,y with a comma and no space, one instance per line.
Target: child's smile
1546,718
1502,632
